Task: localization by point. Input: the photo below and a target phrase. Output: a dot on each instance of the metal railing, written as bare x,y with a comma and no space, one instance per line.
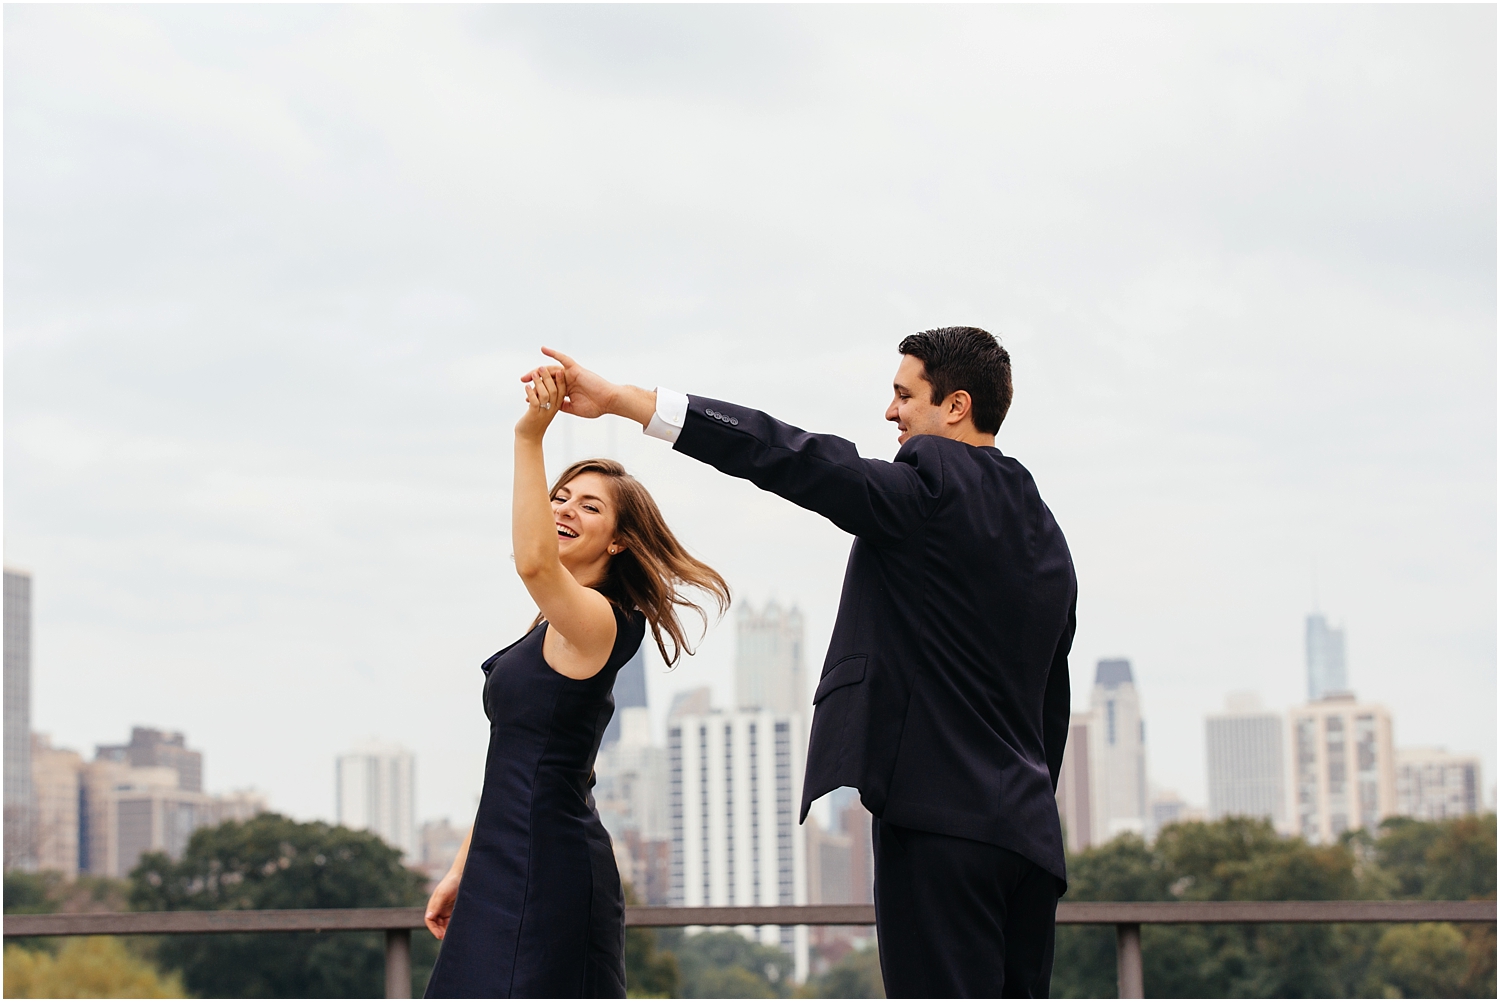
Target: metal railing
397,923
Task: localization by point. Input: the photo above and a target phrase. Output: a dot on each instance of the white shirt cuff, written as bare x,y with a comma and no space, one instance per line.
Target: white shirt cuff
671,413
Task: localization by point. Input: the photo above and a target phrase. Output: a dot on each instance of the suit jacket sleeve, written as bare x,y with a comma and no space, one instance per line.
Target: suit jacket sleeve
870,498
1057,701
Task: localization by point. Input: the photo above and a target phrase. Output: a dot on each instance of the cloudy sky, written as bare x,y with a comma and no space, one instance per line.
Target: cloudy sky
271,273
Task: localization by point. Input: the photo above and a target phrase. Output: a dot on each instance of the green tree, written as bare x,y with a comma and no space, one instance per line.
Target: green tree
98,967
1232,859
1401,855
1125,869
30,893
1461,860
273,862
855,976
727,965
48,891
1449,860
1424,960
649,973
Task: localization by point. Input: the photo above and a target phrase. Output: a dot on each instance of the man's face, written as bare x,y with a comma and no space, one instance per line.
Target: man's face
912,408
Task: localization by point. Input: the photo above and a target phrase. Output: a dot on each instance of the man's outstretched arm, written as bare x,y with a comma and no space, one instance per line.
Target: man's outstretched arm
823,473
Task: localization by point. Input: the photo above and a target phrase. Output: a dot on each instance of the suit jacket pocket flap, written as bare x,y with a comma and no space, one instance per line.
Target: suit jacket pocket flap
846,672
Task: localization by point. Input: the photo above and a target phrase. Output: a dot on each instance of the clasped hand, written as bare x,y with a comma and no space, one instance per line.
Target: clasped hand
568,387
546,395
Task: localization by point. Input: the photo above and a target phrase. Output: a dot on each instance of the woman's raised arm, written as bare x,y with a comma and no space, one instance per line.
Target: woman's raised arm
581,623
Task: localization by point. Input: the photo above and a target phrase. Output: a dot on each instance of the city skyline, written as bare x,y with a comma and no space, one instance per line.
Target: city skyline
263,333
685,811
1091,749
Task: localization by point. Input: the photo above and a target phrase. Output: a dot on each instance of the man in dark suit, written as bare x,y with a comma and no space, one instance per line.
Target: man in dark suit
944,697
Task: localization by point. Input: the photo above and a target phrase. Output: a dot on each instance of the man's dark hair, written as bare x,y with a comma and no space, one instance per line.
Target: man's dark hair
966,358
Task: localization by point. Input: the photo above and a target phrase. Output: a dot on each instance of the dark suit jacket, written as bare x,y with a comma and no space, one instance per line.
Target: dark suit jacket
944,696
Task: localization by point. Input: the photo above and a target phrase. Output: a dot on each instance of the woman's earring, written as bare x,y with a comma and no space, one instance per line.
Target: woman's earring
611,549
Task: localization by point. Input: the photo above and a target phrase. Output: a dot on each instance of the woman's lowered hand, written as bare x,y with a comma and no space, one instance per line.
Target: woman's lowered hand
440,905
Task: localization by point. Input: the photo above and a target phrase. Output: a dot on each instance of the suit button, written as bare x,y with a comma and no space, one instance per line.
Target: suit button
734,420
709,411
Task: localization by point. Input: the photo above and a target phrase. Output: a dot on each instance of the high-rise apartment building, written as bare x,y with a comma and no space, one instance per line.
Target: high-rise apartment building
1119,772
1343,767
19,851
1077,790
1326,674
1432,784
768,660
375,790
149,748
1246,762
55,796
735,785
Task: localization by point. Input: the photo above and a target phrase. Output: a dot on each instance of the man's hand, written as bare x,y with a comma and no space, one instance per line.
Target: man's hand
590,395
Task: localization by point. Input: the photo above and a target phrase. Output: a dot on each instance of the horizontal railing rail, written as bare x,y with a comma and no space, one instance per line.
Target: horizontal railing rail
1126,916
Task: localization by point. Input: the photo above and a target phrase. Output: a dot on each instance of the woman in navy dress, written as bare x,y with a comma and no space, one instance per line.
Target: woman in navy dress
533,907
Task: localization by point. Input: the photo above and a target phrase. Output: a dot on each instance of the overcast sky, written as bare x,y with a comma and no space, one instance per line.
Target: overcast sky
271,273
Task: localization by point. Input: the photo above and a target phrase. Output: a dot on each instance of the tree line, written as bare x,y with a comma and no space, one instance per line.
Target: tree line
274,862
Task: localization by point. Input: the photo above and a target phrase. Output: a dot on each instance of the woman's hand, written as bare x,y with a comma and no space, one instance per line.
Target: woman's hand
440,905
546,386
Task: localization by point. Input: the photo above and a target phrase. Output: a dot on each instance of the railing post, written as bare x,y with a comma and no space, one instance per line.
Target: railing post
1128,971
398,963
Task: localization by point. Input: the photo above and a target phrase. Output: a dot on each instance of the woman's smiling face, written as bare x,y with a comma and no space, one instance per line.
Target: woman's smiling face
584,510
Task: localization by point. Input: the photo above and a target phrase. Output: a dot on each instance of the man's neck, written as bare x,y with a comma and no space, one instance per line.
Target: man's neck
969,435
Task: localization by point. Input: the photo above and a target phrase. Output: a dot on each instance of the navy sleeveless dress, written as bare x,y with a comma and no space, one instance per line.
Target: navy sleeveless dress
540,910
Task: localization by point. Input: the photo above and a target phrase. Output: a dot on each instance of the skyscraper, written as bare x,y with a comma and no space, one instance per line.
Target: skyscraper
375,790
1246,763
1077,790
55,791
1343,767
735,783
768,660
1120,770
19,851
149,747
1325,659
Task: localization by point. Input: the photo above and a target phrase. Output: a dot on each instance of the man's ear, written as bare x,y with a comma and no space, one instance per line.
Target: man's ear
958,406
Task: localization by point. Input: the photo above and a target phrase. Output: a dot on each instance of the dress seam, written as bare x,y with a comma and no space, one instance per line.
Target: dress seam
510,991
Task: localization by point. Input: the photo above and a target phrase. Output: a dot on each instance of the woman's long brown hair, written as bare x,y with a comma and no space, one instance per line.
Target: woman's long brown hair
654,567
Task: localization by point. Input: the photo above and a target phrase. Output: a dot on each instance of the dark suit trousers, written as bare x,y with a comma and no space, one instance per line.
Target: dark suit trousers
960,919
